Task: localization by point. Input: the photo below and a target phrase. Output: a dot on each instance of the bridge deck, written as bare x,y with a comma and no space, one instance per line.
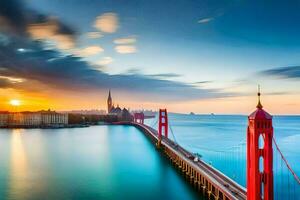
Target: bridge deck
226,185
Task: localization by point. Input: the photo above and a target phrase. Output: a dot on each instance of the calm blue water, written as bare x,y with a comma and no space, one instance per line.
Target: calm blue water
221,141
100,162
118,162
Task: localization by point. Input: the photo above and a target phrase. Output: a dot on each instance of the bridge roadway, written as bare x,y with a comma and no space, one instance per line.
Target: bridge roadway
229,188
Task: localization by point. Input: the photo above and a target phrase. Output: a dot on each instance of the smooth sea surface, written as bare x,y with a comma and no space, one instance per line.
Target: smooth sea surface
94,163
119,162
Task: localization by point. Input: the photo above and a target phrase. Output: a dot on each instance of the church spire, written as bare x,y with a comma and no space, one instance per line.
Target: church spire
259,105
109,102
109,95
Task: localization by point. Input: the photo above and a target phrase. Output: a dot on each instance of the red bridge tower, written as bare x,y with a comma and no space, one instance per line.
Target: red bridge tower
162,125
259,155
139,117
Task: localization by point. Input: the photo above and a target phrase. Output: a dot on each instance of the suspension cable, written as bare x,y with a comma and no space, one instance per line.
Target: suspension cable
154,122
286,163
172,133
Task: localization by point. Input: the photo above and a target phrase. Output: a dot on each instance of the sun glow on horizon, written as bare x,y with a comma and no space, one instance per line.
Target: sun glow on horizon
15,102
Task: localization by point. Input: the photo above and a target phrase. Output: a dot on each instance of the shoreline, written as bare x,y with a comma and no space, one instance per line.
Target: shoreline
45,127
57,126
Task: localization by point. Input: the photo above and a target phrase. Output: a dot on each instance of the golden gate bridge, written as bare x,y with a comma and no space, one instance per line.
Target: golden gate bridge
266,173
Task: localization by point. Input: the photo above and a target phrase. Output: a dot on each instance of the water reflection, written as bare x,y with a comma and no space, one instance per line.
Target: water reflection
99,162
19,167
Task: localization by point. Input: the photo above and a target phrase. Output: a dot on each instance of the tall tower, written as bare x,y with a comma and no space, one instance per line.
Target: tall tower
109,102
259,154
162,125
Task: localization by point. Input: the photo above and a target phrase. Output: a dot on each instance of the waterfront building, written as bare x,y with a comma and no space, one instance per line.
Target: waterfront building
3,118
122,114
33,119
49,118
126,116
26,119
116,111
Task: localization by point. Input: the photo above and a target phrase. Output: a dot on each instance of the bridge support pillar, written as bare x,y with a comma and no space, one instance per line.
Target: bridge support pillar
139,117
162,125
260,155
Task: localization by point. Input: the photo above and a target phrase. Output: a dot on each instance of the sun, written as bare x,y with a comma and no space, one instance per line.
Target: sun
15,102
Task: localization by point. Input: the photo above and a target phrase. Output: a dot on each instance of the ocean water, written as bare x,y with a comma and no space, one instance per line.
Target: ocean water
220,140
119,162
95,163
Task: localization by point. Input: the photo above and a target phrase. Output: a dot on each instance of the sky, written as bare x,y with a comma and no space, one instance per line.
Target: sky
205,56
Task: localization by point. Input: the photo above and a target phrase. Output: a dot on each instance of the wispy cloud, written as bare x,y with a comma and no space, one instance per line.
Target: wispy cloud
125,45
128,40
105,60
205,20
49,31
291,72
125,49
107,22
279,93
94,35
202,82
12,79
133,71
88,51
5,82
165,75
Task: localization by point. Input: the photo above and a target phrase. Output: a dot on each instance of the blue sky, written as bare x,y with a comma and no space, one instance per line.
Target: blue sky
244,36
221,49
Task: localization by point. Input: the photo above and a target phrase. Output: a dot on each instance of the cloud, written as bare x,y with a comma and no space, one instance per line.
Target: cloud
125,45
94,35
5,83
107,22
12,79
9,82
46,70
292,72
12,16
202,82
205,20
128,40
105,61
88,51
133,71
279,93
125,49
69,73
165,75
50,30
16,18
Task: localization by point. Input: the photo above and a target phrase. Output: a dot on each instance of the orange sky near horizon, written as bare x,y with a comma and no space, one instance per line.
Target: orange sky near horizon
275,104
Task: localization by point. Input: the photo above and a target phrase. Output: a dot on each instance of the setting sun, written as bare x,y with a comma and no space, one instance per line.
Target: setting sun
15,102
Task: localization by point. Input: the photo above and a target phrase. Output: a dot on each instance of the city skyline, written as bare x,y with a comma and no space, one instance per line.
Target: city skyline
198,56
